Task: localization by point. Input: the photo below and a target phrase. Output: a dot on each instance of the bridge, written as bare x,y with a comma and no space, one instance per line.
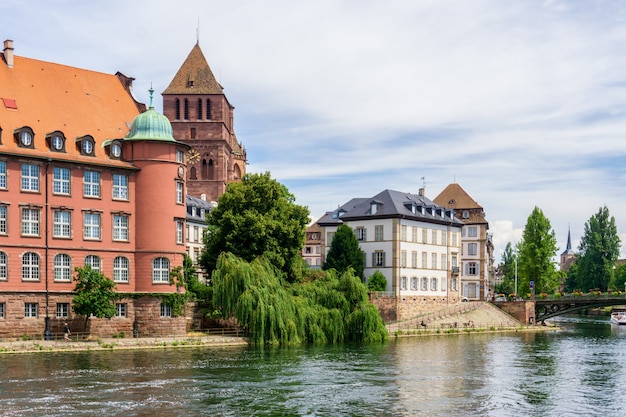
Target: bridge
546,308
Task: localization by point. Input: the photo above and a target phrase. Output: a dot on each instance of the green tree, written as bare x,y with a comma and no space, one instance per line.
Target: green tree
345,252
377,282
536,251
328,309
599,249
94,294
507,268
254,217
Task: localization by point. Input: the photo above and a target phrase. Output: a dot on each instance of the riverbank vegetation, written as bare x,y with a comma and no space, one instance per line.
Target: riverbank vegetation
324,308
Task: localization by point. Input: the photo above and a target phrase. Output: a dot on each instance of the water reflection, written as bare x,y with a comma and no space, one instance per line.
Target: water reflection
577,371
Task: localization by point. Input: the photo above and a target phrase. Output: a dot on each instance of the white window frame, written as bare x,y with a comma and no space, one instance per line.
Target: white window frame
94,262
166,310
414,283
3,175
30,266
472,248
30,221
179,192
121,309
61,224
472,231
61,181
30,177
120,227
403,283
30,310
4,271
179,232
120,269
91,184
91,226
62,267
120,187
161,270
424,284
63,310
434,284
4,212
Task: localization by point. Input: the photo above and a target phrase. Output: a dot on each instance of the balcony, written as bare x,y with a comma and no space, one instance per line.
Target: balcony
455,270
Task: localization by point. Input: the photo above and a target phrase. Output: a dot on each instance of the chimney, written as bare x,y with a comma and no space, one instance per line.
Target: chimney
421,192
8,52
203,197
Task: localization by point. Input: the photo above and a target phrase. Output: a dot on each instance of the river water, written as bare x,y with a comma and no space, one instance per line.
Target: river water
576,371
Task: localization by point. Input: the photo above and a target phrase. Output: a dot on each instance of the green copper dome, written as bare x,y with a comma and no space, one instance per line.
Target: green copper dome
151,125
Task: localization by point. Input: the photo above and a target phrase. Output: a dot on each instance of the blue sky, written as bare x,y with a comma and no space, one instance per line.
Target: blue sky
522,103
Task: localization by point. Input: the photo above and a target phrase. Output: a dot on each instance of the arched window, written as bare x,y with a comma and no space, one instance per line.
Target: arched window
93,261
186,109
208,109
120,269
199,115
192,173
3,267
161,270
177,108
62,267
30,266
237,172
210,170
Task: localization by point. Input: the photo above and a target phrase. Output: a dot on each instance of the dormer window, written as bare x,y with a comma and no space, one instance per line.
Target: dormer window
465,214
373,208
86,145
116,150
25,137
56,141
341,213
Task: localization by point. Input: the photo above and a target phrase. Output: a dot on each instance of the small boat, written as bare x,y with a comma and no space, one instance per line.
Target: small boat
618,317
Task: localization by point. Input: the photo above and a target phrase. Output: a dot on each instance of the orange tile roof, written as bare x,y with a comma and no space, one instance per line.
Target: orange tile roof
50,97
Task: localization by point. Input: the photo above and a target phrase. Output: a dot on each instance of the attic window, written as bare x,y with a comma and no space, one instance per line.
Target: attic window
452,201
189,83
373,208
466,214
86,145
9,103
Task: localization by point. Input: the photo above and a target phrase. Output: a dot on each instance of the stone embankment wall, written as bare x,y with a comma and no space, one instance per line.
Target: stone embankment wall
394,309
143,314
523,311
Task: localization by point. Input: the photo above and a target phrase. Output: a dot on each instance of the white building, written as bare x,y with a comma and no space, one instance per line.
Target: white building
415,243
197,209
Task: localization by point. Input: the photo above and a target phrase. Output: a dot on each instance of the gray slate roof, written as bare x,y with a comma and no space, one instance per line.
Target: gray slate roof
390,204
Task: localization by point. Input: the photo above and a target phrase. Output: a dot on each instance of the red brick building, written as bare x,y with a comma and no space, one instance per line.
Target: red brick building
202,117
87,177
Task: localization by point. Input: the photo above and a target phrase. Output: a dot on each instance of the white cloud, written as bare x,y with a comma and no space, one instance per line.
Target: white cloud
522,102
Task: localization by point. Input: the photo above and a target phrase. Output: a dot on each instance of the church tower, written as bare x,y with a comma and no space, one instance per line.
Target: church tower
202,117
568,256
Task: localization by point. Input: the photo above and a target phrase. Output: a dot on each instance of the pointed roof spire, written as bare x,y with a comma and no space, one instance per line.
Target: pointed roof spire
194,76
568,248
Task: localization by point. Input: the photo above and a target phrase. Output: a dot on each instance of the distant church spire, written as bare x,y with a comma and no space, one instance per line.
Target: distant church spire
569,240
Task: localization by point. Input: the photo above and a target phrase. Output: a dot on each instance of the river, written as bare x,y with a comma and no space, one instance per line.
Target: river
579,370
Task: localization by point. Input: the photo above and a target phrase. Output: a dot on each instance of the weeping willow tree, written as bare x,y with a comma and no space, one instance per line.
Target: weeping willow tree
330,309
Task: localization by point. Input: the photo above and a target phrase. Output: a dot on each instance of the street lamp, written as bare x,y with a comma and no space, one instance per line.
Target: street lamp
516,276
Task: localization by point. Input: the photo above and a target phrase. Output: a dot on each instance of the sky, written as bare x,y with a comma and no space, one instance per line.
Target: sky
521,103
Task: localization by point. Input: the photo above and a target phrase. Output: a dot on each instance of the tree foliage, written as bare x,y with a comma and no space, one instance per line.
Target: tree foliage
330,309
345,252
536,251
94,294
254,217
507,269
377,282
599,249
